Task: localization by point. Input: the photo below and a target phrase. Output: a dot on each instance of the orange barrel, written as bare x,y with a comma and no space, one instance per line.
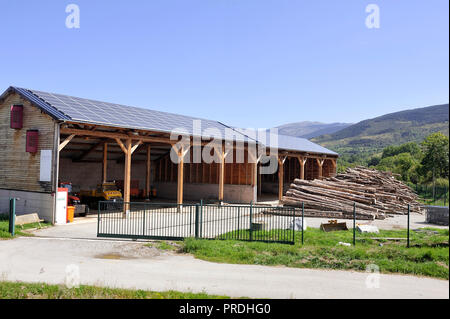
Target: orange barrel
70,213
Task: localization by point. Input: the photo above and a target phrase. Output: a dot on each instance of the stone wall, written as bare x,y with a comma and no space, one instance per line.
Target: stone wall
28,203
437,215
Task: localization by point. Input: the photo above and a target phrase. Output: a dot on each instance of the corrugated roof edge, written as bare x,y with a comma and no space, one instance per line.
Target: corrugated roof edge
325,150
44,106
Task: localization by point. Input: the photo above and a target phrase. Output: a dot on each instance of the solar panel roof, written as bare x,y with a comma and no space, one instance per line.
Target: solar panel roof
69,108
285,142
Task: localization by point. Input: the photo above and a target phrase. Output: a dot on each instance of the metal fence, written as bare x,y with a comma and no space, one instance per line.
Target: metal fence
438,195
177,222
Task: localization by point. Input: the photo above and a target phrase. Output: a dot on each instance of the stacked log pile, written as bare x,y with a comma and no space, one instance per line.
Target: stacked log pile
376,194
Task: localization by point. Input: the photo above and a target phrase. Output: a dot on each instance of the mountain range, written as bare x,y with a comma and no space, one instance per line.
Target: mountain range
311,129
372,135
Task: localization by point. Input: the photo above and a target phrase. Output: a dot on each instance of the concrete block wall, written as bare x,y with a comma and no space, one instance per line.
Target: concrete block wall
195,192
437,215
88,175
28,203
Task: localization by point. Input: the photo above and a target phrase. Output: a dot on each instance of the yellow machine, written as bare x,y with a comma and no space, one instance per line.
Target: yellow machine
103,192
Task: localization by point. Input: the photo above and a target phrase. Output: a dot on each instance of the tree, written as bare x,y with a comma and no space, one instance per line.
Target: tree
435,160
374,161
411,148
404,164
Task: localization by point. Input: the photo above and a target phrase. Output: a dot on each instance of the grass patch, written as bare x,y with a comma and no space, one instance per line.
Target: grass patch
19,230
437,202
167,245
10,290
428,256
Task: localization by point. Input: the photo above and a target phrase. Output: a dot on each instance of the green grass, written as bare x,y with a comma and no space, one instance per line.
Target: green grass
19,230
166,245
437,202
428,256
10,290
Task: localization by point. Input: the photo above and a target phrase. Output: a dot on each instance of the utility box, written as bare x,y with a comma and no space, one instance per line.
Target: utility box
16,117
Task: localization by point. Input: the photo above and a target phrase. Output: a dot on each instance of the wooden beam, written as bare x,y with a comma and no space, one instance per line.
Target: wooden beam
114,135
119,142
105,163
66,141
148,172
134,148
83,155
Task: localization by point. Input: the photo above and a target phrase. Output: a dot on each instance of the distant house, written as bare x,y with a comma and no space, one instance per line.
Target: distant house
49,138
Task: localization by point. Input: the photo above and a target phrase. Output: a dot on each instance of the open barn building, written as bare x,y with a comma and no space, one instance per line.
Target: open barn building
48,138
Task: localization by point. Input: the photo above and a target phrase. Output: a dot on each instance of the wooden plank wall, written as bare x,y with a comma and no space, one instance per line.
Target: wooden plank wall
202,173
292,170
328,169
20,170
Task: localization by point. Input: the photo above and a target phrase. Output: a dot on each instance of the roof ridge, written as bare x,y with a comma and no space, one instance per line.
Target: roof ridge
42,104
48,103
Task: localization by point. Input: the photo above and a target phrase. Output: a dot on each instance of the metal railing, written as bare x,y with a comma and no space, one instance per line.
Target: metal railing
177,222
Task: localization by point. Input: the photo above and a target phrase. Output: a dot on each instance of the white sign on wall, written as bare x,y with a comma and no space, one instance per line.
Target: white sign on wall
46,166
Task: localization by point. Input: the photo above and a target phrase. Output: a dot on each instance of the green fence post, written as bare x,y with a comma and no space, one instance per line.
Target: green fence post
445,196
303,221
293,225
201,220
239,223
251,221
143,221
12,216
197,216
98,219
409,220
354,224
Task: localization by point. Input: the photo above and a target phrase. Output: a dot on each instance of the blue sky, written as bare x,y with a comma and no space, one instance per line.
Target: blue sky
248,63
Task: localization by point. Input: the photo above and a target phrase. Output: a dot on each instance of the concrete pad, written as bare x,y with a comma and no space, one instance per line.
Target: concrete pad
47,260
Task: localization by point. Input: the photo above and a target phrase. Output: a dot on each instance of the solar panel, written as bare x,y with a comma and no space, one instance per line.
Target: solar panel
82,110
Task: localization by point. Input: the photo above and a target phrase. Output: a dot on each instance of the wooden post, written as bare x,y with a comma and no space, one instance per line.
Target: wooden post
105,163
222,176
281,177
127,181
128,149
334,163
320,163
180,177
254,175
148,173
259,182
222,155
302,161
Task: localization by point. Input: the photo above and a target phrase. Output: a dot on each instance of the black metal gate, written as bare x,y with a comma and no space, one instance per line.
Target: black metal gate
177,222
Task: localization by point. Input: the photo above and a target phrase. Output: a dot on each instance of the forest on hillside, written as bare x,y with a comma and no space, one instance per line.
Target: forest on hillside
424,166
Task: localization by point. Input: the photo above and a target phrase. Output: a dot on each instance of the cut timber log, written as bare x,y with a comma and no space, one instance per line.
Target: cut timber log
376,194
